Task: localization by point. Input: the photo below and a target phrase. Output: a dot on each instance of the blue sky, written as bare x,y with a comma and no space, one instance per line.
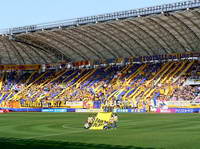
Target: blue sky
14,13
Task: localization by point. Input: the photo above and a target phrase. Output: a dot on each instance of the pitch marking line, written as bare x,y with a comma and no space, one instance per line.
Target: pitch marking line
63,126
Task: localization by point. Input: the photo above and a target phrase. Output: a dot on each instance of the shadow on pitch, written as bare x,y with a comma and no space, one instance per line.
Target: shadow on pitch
14,143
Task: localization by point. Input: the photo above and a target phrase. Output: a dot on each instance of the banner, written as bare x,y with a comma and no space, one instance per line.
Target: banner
89,110
58,110
165,111
178,110
20,67
88,104
58,65
74,104
54,110
129,110
81,63
38,109
182,104
183,110
178,103
11,104
100,120
192,81
1,111
175,56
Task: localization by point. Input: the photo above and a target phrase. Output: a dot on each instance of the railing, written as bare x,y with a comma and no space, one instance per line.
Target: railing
104,17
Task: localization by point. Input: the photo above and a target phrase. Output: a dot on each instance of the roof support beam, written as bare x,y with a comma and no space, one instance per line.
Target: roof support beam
55,37
102,39
145,46
82,42
160,22
8,52
71,46
36,46
14,48
122,44
4,59
48,45
179,33
121,29
148,33
42,55
29,56
184,28
99,42
197,14
162,37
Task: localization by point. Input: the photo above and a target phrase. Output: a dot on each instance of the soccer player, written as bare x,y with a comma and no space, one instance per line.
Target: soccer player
115,120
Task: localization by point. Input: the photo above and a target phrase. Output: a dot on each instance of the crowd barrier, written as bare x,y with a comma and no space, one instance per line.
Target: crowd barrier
20,67
129,110
69,110
179,110
1,111
169,110
89,110
58,110
23,109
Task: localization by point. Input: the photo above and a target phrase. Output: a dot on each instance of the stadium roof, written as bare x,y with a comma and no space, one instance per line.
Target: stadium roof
164,29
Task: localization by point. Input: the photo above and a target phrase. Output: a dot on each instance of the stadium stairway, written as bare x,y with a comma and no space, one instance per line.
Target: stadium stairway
107,68
163,67
142,91
69,76
162,79
63,80
184,71
3,97
125,86
92,80
52,77
48,81
1,80
136,73
71,82
167,79
24,90
88,75
121,85
141,88
39,85
114,78
176,67
164,74
15,82
97,76
101,74
29,78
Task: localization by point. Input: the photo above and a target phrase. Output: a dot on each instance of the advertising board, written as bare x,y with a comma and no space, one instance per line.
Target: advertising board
54,110
129,110
89,110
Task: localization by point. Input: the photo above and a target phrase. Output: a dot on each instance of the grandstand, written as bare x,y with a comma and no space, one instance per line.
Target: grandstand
138,63
144,60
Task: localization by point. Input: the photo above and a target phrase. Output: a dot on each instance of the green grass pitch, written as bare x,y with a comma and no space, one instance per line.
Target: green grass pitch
64,130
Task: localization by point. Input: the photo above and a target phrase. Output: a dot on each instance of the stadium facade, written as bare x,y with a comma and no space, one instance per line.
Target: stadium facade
137,60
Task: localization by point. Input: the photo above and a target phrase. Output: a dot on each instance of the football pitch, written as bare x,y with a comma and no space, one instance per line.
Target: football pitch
65,130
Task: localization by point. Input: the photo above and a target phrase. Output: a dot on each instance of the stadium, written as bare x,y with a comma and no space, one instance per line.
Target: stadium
142,64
